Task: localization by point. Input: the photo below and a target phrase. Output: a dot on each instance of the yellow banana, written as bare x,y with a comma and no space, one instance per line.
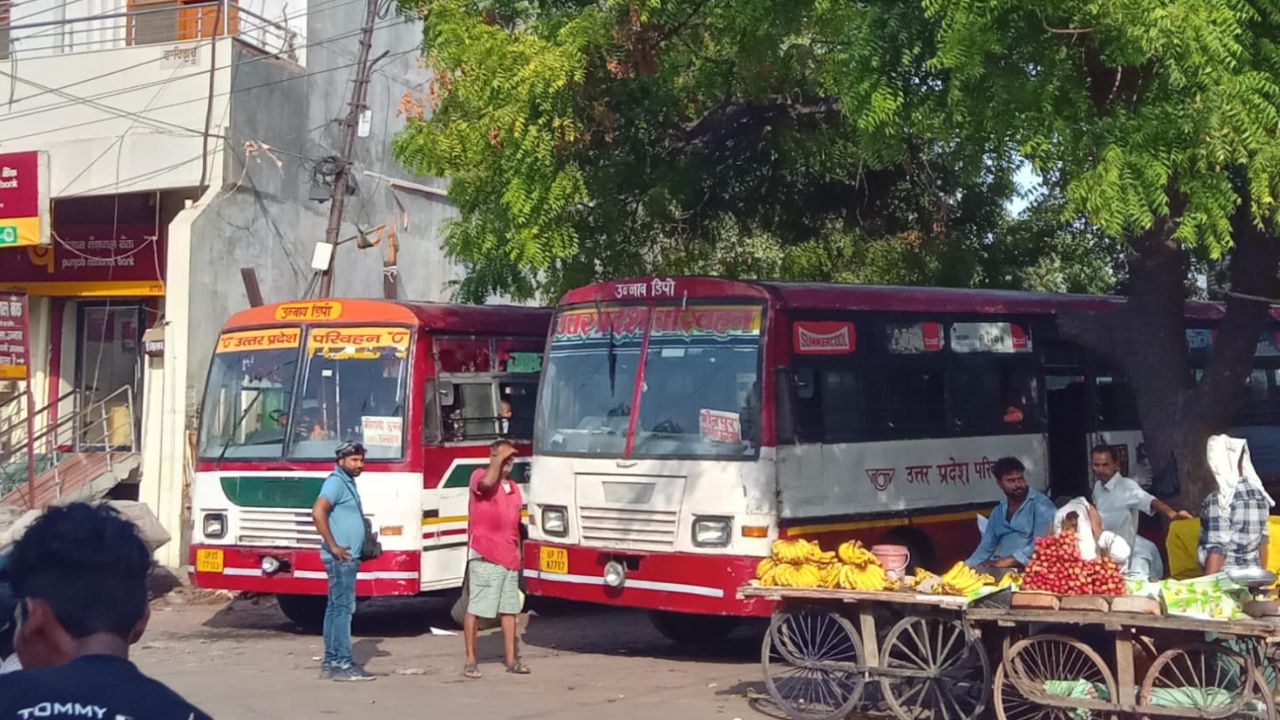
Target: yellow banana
764,566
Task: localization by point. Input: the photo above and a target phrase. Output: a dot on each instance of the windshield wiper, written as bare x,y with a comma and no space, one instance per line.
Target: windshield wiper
232,435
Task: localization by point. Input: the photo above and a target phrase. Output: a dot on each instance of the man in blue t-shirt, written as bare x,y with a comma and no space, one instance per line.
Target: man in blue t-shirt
339,519
79,575
1015,523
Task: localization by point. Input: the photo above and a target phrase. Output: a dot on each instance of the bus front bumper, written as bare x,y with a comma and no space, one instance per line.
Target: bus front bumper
672,581
301,571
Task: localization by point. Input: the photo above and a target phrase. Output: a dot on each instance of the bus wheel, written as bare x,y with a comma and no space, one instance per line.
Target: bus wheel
306,611
690,629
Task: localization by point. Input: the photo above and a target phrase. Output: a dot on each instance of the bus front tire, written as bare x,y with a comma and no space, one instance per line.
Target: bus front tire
688,629
305,611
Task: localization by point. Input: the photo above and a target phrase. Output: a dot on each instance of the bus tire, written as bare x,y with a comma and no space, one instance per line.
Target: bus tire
305,611
689,629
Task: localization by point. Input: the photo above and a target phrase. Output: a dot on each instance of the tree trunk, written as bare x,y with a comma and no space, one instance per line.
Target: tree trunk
1146,339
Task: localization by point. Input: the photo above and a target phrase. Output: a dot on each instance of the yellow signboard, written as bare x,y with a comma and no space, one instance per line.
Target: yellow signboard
355,341
269,339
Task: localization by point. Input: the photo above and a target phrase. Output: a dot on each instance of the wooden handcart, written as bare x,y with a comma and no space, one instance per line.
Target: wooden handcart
1074,665
824,647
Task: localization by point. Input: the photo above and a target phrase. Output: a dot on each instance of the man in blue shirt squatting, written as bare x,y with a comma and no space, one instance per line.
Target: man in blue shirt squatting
340,521
1022,516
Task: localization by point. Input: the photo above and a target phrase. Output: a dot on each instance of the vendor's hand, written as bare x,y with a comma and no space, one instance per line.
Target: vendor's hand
505,453
1005,562
342,554
1182,515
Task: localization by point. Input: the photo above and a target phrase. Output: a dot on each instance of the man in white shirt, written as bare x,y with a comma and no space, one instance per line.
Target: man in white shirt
1118,500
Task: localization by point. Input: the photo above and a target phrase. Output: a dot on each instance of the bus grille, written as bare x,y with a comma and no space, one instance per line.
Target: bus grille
628,529
277,527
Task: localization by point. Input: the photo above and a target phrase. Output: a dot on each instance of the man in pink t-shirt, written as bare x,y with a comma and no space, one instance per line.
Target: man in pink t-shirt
493,564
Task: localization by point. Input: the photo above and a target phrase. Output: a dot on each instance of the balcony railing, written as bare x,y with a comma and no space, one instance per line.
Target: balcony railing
35,33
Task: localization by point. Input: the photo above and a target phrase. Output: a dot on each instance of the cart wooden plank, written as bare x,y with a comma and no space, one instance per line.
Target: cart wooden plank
1116,621
897,597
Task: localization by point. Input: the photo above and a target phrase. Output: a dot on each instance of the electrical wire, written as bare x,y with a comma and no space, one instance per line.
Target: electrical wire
192,131
143,86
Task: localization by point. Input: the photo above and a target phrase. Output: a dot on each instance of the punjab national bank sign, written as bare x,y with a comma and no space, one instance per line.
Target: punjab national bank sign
24,199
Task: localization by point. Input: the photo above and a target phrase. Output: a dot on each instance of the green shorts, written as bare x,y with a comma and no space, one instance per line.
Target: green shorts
492,590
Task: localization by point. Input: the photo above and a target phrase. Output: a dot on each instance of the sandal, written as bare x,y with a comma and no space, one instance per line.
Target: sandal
471,670
518,668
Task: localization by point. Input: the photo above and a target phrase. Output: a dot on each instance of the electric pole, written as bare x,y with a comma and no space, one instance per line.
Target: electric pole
342,178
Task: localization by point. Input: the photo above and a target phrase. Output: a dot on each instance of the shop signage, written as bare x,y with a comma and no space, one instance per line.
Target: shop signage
90,261
24,199
14,336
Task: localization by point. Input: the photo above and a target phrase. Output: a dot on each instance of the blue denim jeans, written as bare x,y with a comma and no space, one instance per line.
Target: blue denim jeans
338,612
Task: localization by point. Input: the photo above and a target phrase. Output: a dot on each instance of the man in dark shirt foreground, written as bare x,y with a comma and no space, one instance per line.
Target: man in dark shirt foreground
80,577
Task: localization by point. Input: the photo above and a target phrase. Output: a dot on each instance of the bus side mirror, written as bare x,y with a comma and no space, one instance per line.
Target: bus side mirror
445,389
805,383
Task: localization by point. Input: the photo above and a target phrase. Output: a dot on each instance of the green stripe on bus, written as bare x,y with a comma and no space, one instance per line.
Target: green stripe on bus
272,492
460,475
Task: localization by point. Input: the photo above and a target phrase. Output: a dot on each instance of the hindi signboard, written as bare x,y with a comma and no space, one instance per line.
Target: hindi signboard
24,199
14,336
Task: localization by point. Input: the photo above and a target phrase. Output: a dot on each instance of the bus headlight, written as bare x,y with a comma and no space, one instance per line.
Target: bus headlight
555,521
214,525
712,531
270,565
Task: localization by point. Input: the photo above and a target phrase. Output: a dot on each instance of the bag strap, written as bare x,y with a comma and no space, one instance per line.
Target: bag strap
350,482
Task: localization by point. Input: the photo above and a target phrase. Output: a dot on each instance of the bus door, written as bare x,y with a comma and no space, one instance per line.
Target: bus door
1068,404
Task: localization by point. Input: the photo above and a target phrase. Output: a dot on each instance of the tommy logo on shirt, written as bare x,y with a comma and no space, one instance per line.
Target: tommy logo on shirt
64,710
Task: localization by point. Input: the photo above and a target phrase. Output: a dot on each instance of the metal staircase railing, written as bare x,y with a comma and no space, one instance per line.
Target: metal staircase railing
38,448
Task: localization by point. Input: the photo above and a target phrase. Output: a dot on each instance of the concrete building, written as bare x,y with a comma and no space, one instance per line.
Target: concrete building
186,141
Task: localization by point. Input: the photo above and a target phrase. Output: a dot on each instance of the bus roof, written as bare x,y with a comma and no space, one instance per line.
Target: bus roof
486,319
824,296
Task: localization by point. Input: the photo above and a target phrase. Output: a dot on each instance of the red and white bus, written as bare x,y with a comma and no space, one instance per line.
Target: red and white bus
425,387
684,424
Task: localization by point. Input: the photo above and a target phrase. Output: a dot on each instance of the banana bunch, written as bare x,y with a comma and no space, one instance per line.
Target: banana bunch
854,578
1010,579
962,580
800,551
796,576
856,554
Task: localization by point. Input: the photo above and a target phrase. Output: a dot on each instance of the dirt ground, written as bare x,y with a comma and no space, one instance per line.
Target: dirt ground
242,659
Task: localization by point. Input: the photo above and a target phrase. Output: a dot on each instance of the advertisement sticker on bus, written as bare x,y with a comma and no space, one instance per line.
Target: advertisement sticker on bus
992,337
913,338
382,430
816,337
720,426
705,320
270,339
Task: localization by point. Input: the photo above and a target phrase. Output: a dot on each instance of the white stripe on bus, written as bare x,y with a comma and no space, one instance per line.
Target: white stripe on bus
638,584
319,575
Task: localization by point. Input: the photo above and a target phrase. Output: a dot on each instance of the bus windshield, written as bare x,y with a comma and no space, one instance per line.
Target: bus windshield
353,388
246,402
698,394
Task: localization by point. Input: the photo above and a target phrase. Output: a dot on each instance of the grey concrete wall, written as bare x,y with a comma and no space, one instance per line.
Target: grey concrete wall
264,218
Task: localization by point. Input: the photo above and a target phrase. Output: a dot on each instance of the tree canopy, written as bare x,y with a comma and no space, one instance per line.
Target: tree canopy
800,140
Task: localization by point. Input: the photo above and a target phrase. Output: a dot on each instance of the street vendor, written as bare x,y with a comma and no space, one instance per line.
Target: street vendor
1233,517
1119,500
1022,516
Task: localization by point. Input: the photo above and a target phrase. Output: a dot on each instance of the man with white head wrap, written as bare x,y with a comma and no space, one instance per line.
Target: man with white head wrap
1093,540
1233,518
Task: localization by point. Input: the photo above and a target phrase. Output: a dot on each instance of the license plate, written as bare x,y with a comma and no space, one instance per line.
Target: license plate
209,561
553,560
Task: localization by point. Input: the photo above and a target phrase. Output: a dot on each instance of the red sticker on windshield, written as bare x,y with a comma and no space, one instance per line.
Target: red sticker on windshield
823,338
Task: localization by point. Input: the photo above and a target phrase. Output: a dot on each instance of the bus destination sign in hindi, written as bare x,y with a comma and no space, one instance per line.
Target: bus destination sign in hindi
24,199
268,339
14,333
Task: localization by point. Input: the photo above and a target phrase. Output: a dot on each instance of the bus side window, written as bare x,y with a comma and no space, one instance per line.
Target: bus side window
910,401
994,398
471,415
1117,409
516,409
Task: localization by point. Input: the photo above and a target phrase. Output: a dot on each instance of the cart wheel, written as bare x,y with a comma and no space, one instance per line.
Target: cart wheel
814,666
949,677
1211,678
1043,661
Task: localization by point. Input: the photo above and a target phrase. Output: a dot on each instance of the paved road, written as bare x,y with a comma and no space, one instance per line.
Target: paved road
241,659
